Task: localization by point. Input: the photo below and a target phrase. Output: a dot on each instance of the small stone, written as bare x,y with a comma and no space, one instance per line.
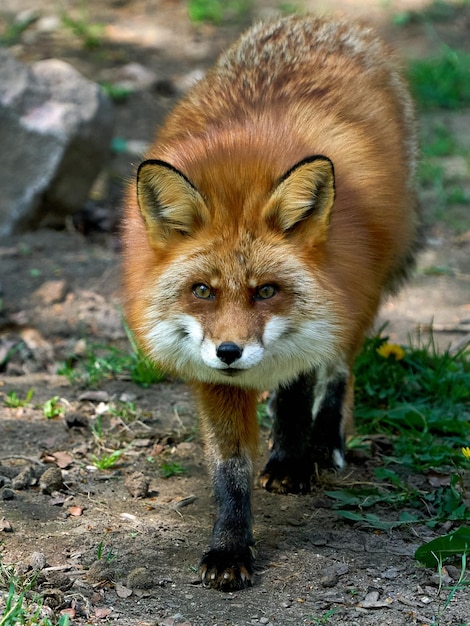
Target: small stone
22,480
7,494
441,579
51,480
140,578
100,571
390,574
38,561
122,591
48,24
329,580
76,420
51,291
94,396
59,580
137,484
454,572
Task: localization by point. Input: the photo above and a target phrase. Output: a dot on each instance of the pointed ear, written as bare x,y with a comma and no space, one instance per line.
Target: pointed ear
169,202
303,199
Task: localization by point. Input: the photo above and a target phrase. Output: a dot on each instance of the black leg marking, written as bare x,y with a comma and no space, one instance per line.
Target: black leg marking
289,466
228,564
302,440
328,438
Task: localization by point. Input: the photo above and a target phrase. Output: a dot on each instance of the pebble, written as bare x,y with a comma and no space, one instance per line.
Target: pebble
7,494
22,480
140,578
59,580
137,484
38,561
94,396
454,572
51,480
51,291
100,571
76,420
48,24
390,573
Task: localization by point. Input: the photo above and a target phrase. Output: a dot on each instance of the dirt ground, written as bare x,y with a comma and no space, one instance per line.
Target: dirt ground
122,545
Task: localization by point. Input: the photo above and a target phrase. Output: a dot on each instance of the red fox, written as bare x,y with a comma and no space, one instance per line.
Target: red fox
274,210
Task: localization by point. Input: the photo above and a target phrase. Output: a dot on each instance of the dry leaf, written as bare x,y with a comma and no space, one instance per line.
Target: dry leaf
75,511
63,459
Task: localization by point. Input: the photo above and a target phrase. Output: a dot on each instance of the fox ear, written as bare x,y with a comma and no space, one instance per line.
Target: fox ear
303,198
168,201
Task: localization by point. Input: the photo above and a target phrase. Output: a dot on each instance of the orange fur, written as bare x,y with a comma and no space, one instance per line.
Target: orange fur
286,172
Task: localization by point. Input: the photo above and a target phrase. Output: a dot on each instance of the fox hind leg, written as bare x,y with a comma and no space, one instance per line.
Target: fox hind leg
288,468
308,423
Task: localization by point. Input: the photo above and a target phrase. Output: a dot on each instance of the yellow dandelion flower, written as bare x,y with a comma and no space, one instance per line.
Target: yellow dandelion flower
388,350
466,453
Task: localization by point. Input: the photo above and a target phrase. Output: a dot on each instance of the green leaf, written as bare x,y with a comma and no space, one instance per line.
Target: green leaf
437,550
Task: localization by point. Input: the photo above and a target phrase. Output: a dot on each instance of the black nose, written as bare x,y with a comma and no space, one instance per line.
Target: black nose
228,352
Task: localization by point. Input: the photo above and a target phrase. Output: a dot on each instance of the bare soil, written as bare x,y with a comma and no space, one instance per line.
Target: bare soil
123,544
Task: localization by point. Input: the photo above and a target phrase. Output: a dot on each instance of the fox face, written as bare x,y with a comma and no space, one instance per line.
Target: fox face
239,307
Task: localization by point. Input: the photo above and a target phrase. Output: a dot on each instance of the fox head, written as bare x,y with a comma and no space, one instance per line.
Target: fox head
233,298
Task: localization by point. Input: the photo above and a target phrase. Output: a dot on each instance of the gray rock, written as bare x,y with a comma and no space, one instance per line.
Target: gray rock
55,129
23,480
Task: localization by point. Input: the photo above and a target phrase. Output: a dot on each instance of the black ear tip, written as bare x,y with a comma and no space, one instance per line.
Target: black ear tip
316,158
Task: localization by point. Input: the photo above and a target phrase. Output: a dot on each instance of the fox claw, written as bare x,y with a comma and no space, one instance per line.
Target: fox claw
284,477
227,571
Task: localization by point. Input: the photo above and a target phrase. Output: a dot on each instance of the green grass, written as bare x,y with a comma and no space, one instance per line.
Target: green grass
14,29
20,603
106,461
437,11
105,554
102,363
115,92
441,82
53,408
419,399
169,469
13,401
450,200
217,11
89,33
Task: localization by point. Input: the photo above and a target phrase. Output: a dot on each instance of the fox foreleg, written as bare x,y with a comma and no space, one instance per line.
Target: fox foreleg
229,425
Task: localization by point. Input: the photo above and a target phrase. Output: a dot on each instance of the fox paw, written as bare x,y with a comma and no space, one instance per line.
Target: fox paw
285,477
227,571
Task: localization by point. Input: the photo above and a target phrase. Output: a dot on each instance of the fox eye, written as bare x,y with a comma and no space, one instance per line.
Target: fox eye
265,292
202,291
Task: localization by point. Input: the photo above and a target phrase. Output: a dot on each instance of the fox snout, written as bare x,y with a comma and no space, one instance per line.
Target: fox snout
229,352
230,355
